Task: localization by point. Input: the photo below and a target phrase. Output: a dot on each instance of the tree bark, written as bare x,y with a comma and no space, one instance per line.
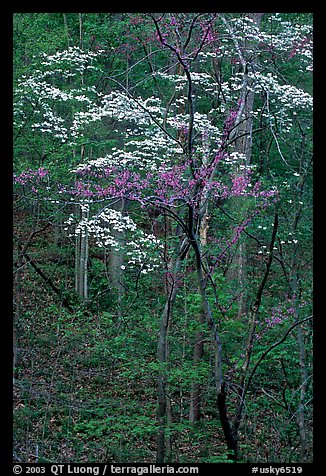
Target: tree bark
300,414
162,357
231,440
196,390
242,134
116,259
66,28
294,295
81,257
81,35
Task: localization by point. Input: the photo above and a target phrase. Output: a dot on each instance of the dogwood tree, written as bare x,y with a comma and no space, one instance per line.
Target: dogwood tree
189,142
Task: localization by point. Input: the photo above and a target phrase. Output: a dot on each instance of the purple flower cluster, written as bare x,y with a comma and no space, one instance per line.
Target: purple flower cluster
29,176
279,315
229,123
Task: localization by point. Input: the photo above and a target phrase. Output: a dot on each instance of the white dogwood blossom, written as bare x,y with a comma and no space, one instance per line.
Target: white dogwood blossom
142,248
40,93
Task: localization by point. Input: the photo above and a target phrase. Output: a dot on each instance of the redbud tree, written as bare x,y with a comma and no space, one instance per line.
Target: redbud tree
170,152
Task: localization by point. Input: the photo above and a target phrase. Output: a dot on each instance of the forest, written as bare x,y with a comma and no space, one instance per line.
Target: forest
162,238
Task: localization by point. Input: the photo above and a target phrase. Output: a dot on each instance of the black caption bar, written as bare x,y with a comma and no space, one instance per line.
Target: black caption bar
102,469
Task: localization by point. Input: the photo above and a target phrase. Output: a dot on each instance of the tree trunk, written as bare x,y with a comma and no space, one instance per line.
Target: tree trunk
301,418
229,435
81,36
300,414
196,390
231,440
15,354
203,226
294,294
17,306
163,408
17,313
116,259
81,257
66,28
243,145
162,357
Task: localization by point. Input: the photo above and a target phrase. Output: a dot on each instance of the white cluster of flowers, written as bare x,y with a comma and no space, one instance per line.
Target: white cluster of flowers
159,149
291,37
52,123
175,78
77,59
277,35
105,226
207,54
288,95
39,95
119,106
201,78
147,149
235,158
124,108
201,124
84,118
141,252
244,27
283,100
198,78
39,91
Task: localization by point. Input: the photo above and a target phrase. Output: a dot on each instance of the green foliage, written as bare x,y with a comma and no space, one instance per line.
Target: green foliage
87,375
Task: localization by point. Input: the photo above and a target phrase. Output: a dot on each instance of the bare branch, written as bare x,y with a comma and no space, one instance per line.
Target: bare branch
270,348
